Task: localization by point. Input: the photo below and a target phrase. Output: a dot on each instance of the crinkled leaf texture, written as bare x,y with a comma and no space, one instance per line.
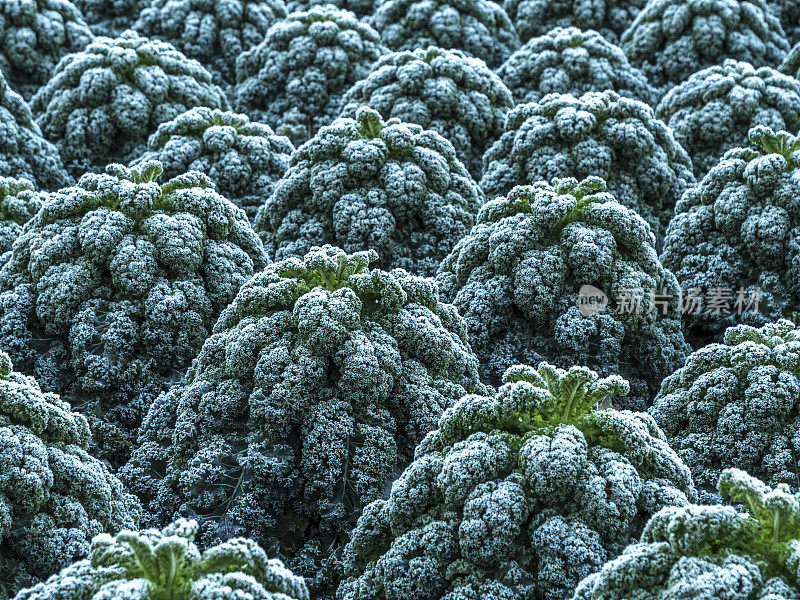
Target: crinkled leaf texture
310,395
456,95
34,36
24,153
480,28
361,8
103,102
294,79
115,284
366,183
111,17
243,158
19,202
739,230
735,404
516,495
671,39
516,279
165,564
54,496
711,552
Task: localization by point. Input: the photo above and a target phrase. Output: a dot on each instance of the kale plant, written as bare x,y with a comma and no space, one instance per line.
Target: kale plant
517,495
444,90
518,276
166,565
311,393
671,39
734,243
103,103
711,552
54,496
113,287
365,183
295,78
714,109
567,60
735,404
243,158
598,134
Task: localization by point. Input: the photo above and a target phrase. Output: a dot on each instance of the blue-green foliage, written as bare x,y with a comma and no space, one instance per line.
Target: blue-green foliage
711,552
166,565
54,496
516,276
517,495
310,395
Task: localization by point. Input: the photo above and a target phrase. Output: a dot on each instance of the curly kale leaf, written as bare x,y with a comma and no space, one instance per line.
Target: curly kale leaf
310,395
517,275
599,134
155,564
734,237
114,285
103,102
368,183
54,496
521,493
446,91
294,79
711,552
243,158
480,28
